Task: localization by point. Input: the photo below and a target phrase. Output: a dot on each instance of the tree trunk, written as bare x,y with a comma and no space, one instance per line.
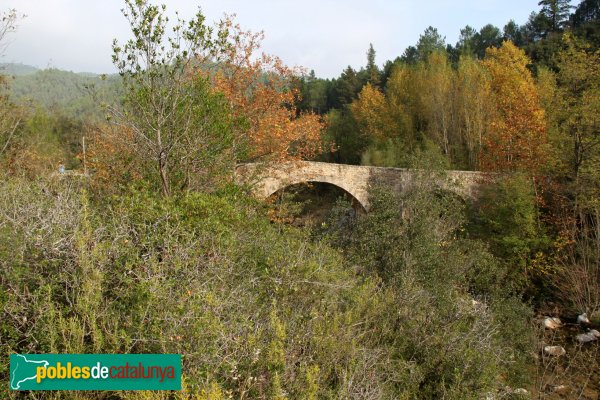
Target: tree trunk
164,175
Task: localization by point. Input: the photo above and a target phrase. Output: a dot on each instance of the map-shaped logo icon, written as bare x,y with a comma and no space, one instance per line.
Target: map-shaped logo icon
23,369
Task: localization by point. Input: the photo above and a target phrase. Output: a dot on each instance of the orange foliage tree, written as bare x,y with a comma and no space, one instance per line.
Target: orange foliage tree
110,156
517,137
260,93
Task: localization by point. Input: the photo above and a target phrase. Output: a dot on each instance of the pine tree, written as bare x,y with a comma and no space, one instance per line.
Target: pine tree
556,12
346,87
373,74
429,42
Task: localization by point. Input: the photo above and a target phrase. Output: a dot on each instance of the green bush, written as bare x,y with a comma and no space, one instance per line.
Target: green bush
254,311
507,218
258,310
450,326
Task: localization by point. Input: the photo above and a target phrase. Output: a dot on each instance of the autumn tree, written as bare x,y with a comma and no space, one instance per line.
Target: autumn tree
559,149
474,107
384,120
402,103
416,112
371,111
425,91
437,78
517,136
109,154
259,90
177,124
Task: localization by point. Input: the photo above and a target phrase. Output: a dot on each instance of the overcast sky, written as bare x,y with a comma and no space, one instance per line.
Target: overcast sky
324,35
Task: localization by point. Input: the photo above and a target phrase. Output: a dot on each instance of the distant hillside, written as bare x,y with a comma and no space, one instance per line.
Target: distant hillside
78,95
17,69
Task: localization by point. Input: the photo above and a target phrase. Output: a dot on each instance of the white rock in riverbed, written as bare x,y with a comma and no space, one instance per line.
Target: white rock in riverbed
552,323
555,351
583,319
590,336
560,388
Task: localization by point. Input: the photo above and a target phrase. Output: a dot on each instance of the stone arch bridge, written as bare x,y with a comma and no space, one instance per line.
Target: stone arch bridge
267,179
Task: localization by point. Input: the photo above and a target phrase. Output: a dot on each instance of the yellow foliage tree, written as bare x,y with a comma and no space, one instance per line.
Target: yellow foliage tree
370,110
517,136
437,80
474,107
383,116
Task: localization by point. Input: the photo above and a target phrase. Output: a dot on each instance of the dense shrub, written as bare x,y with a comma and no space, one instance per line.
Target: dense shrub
255,311
508,219
451,323
258,310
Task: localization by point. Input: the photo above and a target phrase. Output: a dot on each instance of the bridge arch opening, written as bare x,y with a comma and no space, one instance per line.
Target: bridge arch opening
309,203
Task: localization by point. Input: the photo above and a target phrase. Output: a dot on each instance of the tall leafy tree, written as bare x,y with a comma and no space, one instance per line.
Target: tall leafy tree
348,140
410,55
174,123
474,107
465,40
579,113
535,28
587,11
517,138
437,80
260,90
388,69
471,42
313,93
